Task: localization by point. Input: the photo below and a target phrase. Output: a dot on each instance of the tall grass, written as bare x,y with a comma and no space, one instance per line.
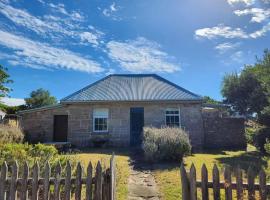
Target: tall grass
10,134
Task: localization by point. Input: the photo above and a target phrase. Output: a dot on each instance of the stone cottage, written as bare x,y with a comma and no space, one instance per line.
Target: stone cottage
114,111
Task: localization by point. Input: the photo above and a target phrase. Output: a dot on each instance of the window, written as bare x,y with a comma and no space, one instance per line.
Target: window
100,117
173,117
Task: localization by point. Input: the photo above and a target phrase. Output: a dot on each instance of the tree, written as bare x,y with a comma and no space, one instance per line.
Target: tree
209,100
4,79
39,98
249,91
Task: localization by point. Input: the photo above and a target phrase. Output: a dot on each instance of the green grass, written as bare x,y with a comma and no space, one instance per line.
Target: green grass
104,155
168,175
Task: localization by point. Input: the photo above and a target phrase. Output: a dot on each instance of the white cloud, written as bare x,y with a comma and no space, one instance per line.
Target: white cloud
245,2
43,55
111,11
258,14
220,31
224,47
12,101
89,37
74,15
141,55
237,56
261,32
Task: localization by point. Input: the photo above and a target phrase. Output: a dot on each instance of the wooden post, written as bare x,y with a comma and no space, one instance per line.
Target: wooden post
98,183
3,178
192,183
251,191
89,182
57,182
112,178
34,195
78,182
68,181
13,183
228,183
239,184
204,172
262,181
46,184
185,183
216,186
24,186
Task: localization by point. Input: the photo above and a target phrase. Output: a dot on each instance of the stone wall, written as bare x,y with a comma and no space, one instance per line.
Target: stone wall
39,124
224,132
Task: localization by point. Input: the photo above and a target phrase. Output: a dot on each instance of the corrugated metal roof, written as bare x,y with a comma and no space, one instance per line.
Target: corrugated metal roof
130,87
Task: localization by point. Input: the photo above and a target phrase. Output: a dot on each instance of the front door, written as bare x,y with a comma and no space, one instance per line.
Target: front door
136,126
60,128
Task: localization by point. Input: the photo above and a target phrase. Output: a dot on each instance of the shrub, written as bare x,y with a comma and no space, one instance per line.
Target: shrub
10,134
31,153
165,144
267,146
260,138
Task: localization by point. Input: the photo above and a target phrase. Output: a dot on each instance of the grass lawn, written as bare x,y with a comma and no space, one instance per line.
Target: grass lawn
104,156
168,175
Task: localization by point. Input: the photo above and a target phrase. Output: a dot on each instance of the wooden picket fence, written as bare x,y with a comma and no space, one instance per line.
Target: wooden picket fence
98,186
190,184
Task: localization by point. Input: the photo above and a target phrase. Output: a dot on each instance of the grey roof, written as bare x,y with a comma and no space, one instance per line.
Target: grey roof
132,87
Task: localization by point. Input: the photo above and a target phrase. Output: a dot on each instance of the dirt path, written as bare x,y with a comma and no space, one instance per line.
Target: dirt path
141,183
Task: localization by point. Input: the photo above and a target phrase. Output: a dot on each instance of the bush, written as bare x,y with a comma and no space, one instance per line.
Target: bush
10,134
260,138
165,144
31,153
267,146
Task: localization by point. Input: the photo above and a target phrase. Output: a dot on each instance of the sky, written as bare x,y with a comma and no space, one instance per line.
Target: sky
63,46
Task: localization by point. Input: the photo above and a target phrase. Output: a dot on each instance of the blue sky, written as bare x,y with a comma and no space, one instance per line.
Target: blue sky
63,46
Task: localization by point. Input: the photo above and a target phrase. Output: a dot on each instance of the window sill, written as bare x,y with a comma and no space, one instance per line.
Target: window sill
100,133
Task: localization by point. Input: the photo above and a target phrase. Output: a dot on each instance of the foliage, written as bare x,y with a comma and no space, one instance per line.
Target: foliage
165,144
260,137
39,98
267,146
10,134
4,79
209,100
11,109
31,153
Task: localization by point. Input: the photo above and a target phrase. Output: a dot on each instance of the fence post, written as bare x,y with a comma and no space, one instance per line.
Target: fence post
192,181
262,181
57,182
251,191
13,183
112,178
34,195
228,183
46,183
78,182
185,183
3,179
216,182
239,183
98,182
205,195
68,181
89,182
24,192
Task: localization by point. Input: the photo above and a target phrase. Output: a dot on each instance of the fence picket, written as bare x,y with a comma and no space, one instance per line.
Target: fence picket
68,181
35,186
13,182
46,184
3,178
78,182
57,182
239,183
89,182
24,183
251,191
216,186
228,183
98,183
205,195
192,183
262,181
185,183
113,180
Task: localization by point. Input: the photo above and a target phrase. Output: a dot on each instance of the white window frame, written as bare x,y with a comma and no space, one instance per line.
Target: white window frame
96,116
179,115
